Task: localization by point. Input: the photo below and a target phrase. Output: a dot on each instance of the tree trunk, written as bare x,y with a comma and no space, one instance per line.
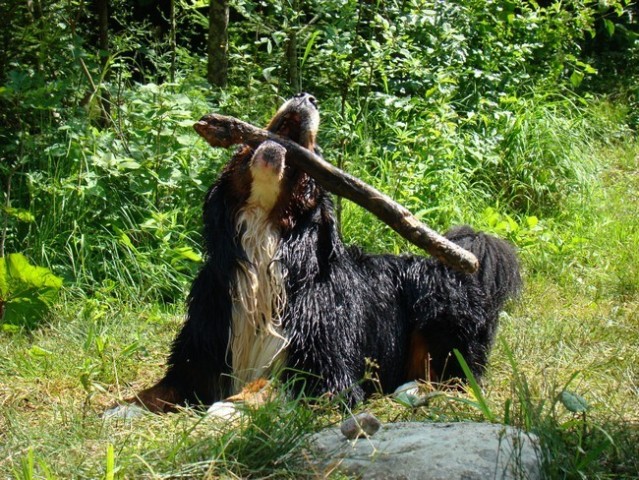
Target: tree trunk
103,44
217,70
102,7
291,57
172,39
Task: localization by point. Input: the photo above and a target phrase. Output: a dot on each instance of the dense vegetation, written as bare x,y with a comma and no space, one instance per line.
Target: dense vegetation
517,117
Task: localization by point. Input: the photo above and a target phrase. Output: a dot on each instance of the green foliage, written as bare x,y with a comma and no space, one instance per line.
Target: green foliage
118,203
568,445
451,108
573,402
27,470
26,292
110,463
268,439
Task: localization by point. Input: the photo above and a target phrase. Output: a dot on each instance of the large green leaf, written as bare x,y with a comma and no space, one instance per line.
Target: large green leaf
27,291
573,402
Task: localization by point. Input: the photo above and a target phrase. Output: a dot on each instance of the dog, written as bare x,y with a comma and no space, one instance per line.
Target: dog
280,292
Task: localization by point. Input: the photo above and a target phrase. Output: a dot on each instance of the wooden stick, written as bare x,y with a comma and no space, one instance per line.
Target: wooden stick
222,131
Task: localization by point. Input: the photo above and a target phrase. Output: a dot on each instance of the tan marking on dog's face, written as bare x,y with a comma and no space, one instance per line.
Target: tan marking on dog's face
267,172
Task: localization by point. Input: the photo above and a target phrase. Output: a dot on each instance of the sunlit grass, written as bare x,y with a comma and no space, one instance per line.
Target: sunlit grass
574,329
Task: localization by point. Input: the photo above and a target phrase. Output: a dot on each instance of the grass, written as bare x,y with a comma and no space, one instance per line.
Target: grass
573,335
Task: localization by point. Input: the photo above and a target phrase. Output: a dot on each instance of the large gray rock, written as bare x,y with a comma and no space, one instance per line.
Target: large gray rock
433,451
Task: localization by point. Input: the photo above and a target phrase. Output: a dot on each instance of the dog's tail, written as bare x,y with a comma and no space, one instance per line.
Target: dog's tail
498,272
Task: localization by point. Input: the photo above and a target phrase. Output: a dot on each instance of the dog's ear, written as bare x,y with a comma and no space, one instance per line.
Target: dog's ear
329,232
220,234
329,240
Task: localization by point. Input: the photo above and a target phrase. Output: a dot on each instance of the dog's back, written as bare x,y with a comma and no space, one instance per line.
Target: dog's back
399,317
450,310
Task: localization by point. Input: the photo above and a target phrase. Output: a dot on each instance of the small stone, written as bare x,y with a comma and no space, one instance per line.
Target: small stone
223,411
361,425
126,412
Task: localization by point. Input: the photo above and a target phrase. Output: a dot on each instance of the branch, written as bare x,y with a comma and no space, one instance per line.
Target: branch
221,131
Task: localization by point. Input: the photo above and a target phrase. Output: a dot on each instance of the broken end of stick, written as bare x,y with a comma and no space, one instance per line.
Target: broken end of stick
223,131
452,254
462,259
217,130
437,245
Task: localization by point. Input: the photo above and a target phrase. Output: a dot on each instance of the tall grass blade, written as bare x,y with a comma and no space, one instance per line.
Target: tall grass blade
110,463
476,390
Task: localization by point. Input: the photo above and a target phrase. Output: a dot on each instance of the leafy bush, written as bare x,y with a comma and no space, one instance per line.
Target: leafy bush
451,108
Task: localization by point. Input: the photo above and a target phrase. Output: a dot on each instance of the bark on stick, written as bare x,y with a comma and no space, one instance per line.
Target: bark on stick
223,131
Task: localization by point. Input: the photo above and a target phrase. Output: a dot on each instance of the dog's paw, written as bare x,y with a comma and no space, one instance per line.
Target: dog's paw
125,411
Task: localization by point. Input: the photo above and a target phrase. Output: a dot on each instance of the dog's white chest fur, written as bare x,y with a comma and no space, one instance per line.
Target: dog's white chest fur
257,339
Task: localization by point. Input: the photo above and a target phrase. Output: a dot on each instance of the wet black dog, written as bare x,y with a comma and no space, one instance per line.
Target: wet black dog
279,289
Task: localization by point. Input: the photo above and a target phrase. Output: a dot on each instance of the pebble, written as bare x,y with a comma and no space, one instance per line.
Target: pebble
361,425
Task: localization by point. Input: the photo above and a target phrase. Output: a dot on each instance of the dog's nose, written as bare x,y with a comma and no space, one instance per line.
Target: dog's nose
303,96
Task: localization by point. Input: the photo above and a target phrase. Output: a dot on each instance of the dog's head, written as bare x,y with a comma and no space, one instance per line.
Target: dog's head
298,120
263,179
